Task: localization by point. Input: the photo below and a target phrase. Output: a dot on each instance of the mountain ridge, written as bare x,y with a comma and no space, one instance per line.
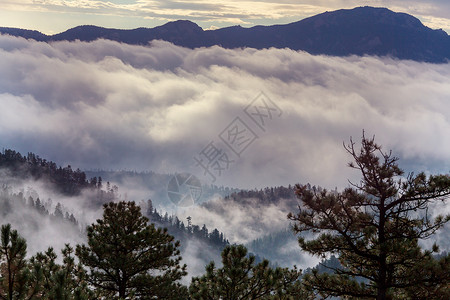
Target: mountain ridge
358,31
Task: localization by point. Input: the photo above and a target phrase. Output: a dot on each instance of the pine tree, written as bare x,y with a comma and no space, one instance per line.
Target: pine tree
58,211
14,272
65,282
240,278
127,257
374,227
204,232
45,264
149,207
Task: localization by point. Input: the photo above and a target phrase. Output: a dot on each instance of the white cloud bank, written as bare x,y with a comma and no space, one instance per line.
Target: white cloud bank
114,106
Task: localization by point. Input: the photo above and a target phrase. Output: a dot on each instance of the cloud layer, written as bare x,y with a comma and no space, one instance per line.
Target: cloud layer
113,106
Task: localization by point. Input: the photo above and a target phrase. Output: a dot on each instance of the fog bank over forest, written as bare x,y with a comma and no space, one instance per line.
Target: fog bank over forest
106,105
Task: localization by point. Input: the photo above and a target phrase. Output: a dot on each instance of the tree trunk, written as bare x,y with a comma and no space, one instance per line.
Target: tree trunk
381,293
382,271
122,291
10,279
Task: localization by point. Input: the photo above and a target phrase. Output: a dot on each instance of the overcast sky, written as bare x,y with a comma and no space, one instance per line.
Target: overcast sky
114,106
54,16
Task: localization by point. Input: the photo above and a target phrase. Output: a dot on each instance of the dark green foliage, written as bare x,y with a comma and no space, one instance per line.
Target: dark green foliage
65,282
241,278
374,227
14,274
184,233
65,180
13,203
45,265
276,247
271,241
272,195
126,257
435,276
153,273
40,277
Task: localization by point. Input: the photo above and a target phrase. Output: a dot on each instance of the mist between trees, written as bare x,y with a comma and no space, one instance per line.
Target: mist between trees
372,229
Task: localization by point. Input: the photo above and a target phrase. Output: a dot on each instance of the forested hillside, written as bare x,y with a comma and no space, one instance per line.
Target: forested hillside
38,197
64,180
134,250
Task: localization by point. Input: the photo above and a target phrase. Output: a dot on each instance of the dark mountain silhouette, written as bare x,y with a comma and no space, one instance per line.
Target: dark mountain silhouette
358,31
28,34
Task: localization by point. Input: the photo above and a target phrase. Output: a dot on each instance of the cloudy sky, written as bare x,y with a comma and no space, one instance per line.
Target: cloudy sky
54,16
114,106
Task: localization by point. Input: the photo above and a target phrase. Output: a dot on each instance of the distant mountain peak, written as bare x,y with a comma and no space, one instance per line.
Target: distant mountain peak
184,26
361,30
182,23
368,15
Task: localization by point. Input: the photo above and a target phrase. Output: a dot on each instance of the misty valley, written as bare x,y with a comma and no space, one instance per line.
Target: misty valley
136,250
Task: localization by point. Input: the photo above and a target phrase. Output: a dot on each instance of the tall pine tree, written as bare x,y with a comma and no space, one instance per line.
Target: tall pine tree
62,282
241,278
374,227
127,257
15,276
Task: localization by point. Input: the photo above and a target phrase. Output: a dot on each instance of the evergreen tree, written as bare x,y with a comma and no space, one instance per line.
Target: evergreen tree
149,207
45,264
204,232
240,278
436,285
60,282
127,257
40,277
374,227
14,272
58,211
